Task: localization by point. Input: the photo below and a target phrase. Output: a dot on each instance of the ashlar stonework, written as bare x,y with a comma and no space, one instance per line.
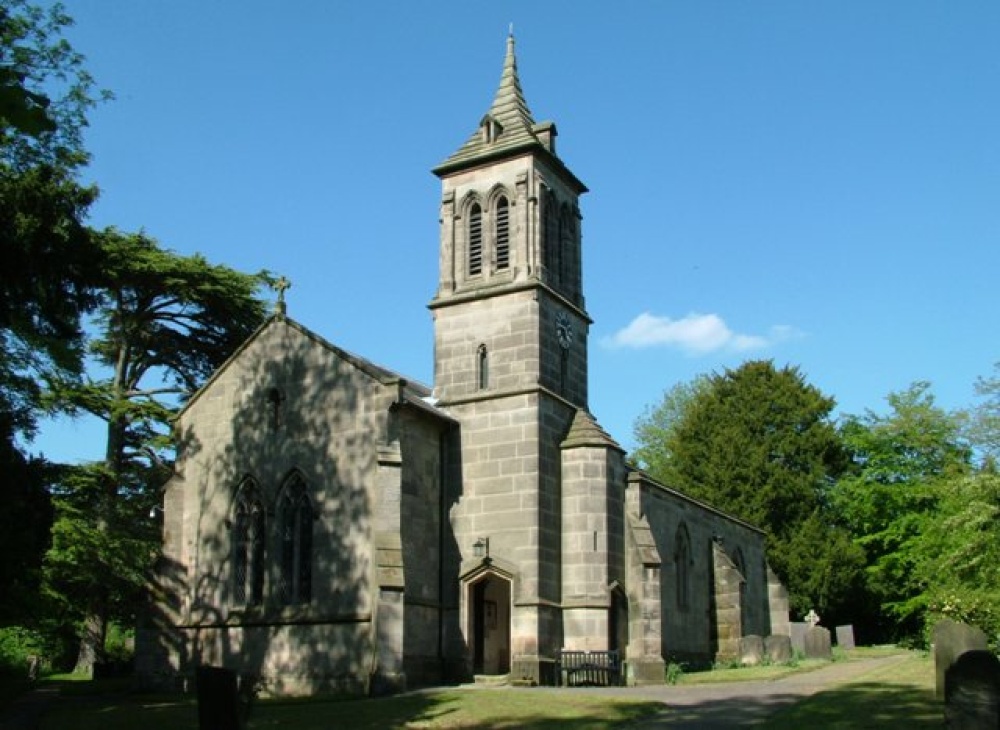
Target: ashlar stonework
332,526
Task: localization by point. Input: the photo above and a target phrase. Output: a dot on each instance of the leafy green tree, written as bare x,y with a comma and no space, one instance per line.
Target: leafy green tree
901,462
165,322
983,420
758,442
49,263
656,426
958,554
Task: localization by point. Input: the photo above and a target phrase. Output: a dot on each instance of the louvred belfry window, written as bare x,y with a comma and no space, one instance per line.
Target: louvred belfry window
502,234
475,240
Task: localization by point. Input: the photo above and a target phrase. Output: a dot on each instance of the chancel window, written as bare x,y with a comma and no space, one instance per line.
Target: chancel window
248,546
295,532
475,240
682,560
502,234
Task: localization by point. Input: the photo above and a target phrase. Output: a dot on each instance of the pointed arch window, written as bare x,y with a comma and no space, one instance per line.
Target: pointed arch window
248,546
295,533
682,560
482,368
475,240
502,233
550,237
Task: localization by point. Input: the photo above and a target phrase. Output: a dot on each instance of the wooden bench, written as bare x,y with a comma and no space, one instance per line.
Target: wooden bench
588,668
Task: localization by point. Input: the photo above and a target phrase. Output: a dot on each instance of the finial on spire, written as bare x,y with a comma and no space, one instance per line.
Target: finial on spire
280,286
510,30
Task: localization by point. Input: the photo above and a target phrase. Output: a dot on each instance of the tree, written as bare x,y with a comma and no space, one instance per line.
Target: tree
758,442
656,427
958,554
165,323
983,421
49,262
901,462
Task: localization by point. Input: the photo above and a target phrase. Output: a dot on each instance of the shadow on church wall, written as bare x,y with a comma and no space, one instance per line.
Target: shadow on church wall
284,403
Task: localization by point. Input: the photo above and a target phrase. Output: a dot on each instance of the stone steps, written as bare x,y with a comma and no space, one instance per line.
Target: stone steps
492,680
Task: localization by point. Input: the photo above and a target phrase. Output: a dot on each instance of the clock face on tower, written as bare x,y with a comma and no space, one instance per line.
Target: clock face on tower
564,330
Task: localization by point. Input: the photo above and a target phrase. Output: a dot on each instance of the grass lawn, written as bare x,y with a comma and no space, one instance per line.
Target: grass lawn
501,708
900,696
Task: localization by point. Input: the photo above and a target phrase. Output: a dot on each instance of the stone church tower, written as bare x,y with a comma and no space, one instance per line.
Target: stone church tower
511,366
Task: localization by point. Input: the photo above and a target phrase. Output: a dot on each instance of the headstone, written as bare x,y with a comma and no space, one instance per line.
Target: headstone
951,640
845,636
812,618
778,648
972,691
218,700
798,635
751,650
817,643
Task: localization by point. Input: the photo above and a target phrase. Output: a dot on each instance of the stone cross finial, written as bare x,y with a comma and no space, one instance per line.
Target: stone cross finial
280,286
812,618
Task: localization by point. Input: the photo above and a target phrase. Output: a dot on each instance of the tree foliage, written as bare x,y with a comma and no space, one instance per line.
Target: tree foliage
958,555
758,442
49,263
902,460
165,322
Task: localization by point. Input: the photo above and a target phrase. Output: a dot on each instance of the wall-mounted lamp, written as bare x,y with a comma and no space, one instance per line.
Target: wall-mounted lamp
481,548
153,510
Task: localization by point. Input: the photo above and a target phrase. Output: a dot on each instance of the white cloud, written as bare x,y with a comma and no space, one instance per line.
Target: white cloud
695,334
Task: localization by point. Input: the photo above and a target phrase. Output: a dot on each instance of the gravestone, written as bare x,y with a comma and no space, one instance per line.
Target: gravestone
951,640
751,650
218,699
778,648
972,691
817,643
798,635
845,637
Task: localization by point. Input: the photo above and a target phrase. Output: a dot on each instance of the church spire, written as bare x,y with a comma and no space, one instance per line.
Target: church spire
509,107
507,128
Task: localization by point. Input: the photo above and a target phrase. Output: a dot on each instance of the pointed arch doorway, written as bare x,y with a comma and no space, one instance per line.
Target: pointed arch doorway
488,607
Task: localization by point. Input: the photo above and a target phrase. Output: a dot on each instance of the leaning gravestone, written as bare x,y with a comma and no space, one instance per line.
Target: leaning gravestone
817,642
845,637
778,648
798,635
751,650
951,640
972,691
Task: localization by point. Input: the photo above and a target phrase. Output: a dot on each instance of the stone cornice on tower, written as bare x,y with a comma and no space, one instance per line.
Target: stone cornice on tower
508,130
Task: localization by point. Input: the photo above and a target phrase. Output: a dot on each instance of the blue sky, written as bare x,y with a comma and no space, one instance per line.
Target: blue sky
817,183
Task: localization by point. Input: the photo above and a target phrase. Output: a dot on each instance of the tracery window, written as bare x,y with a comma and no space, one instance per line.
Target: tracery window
502,233
475,240
295,533
248,546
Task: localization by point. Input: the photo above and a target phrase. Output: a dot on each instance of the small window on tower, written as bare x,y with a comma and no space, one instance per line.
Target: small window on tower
475,240
483,368
503,234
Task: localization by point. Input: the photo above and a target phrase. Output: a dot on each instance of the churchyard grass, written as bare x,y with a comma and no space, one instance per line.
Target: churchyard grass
431,709
897,696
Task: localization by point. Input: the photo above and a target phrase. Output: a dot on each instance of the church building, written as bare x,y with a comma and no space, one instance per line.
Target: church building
332,526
